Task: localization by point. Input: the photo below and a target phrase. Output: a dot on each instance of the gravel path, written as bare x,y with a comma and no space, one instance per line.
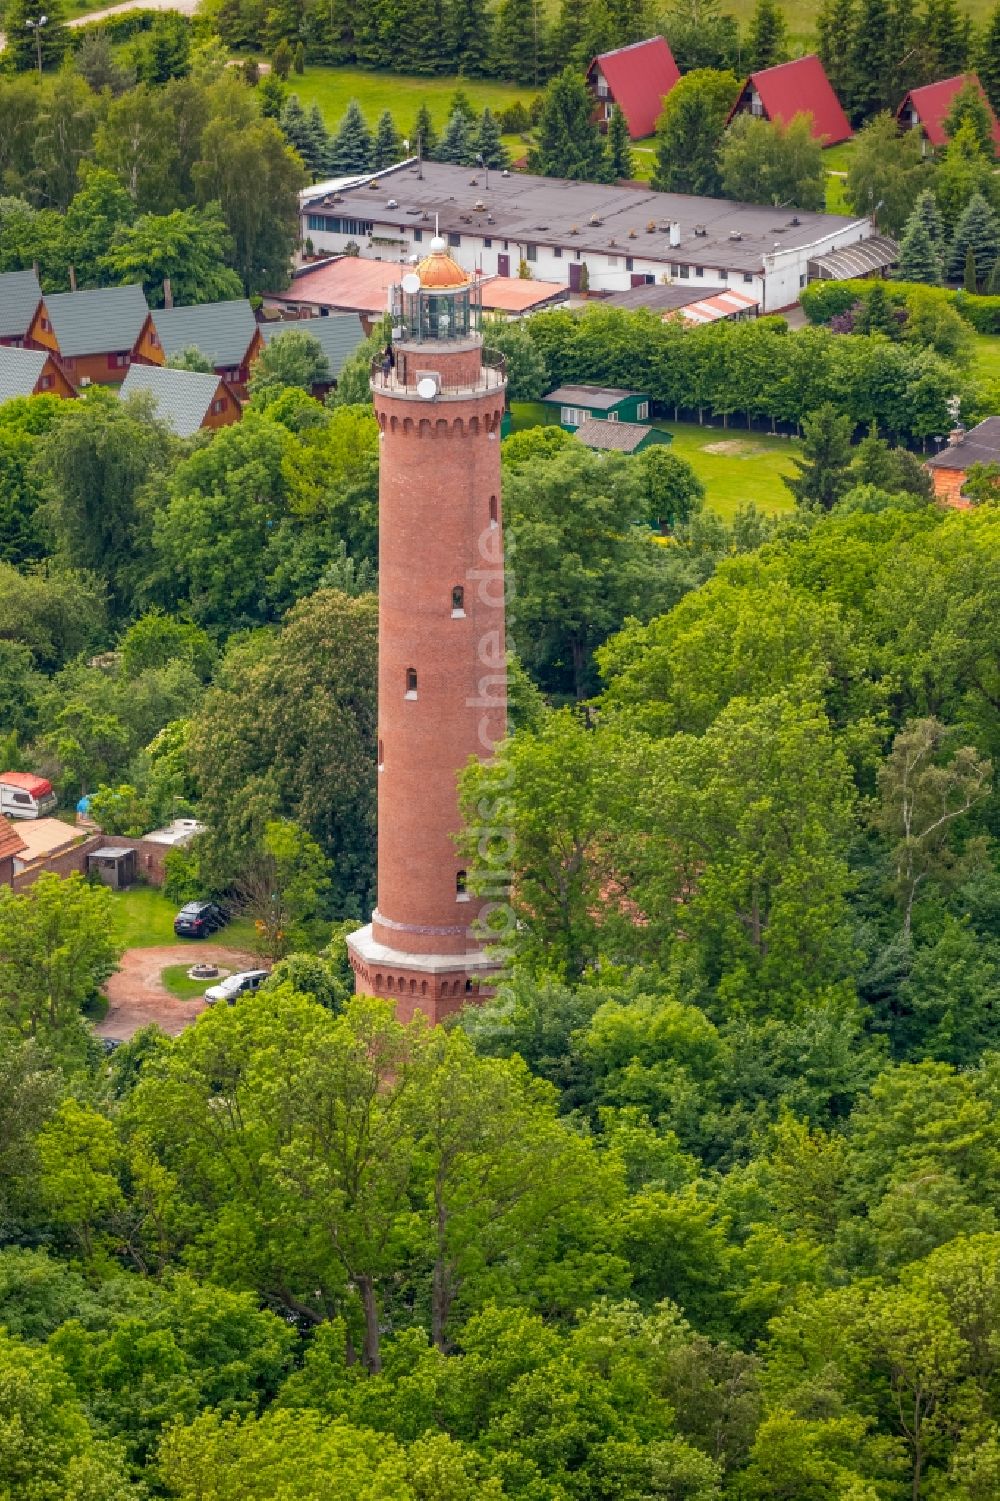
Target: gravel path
136,997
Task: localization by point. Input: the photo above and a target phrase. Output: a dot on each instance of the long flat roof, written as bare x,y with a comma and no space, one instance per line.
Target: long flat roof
630,219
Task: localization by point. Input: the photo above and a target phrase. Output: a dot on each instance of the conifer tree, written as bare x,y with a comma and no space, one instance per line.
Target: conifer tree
299,59
969,276
319,138
919,256
295,126
766,37
520,41
271,97
977,234
835,23
281,60
993,285
871,72
461,103
876,314
823,472
423,137
27,40
926,208
988,57
351,147
570,33
388,147
456,143
620,163
947,37
569,143
466,35
488,143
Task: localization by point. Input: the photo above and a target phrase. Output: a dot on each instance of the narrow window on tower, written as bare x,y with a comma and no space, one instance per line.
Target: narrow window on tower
461,886
494,513
458,603
381,754
411,682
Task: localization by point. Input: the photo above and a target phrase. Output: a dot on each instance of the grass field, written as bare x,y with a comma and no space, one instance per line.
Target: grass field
735,466
334,88
144,918
175,979
986,358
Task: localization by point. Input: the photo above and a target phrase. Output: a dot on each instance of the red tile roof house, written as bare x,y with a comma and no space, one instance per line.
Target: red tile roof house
800,87
949,469
11,845
637,79
927,109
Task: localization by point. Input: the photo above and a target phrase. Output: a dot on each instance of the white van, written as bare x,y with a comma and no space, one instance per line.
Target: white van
23,795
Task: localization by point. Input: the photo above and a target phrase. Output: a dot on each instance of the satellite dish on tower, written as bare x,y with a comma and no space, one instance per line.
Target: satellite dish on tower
427,387
411,283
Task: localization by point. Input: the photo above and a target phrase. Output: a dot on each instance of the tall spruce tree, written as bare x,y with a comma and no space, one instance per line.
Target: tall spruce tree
871,68
919,256
947,37
299,130
988,57
977,232
823,472
423,137
569,143
488,143
388,148
620,162
766,37
926,209
456,143
835,23
465,37
35,30
319,138
520,41
570,32
351,147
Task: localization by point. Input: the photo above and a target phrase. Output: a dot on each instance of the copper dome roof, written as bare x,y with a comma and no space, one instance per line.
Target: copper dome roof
438,271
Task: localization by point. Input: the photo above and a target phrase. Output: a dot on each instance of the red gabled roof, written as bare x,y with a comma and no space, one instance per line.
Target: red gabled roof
639,77
27,782
800,88
933,102
11,842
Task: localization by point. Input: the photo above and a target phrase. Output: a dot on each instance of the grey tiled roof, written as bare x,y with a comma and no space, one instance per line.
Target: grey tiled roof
222,331
20,295
182,397
621,437
105,321
19,371
338,335
981,445
603,397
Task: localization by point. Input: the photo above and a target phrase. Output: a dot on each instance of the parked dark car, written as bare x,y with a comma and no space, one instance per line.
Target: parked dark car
199,919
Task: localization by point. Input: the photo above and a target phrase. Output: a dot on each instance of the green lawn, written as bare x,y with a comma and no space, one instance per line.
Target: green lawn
986,357
735,466
175,979
144,918
334,88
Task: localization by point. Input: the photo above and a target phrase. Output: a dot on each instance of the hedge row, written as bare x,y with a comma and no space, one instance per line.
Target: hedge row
823,300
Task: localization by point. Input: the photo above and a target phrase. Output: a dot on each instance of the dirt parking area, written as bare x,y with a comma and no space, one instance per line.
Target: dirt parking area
136,998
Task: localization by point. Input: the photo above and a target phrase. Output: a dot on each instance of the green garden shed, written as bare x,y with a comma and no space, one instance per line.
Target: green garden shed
572,406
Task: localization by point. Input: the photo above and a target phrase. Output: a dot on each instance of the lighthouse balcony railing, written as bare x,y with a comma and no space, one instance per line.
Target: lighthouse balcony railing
402,375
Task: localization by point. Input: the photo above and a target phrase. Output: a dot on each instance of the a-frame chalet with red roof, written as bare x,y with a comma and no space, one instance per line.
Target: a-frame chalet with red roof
637,79
926,109
800,87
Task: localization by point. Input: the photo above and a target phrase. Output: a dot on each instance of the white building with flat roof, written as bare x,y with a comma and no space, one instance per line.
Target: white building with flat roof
605,238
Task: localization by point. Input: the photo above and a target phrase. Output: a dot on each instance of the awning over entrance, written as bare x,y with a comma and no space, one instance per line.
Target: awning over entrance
861,259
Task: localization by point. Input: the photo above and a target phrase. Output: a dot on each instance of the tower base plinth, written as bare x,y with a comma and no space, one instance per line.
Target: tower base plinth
435,984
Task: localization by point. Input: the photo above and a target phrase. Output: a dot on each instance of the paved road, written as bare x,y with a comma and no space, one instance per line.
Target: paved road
186,8
136,997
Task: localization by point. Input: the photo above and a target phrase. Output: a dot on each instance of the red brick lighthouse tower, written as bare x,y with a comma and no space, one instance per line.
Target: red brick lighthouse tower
442,676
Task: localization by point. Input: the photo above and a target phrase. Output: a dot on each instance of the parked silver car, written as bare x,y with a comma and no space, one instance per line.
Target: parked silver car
233,986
